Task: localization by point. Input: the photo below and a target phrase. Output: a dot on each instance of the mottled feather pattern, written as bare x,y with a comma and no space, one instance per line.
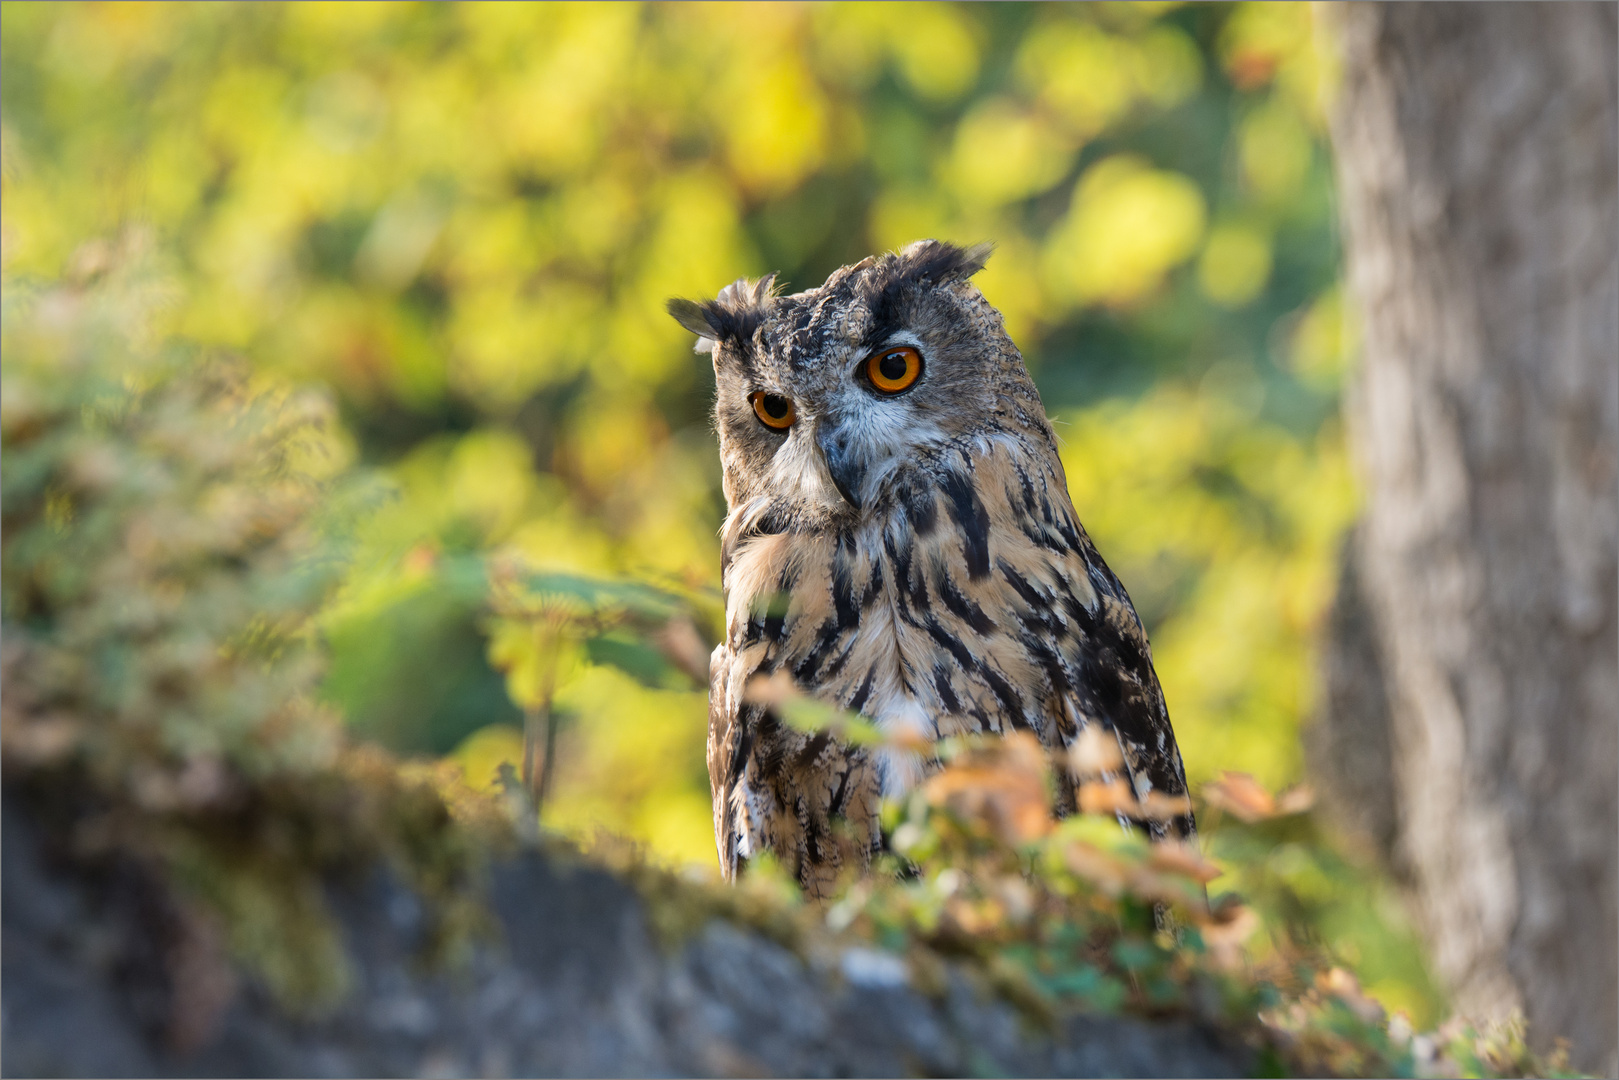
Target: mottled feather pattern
956,593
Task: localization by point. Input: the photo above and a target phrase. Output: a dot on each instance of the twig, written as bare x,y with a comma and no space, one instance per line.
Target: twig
547,632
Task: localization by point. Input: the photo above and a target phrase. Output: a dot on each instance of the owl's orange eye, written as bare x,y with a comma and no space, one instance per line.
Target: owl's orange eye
893,370
775,410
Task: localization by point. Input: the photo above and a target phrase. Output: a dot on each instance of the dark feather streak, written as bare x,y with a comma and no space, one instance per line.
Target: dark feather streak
967,511
960,605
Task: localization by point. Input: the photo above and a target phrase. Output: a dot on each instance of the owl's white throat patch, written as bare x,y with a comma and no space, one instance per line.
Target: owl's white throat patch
902,770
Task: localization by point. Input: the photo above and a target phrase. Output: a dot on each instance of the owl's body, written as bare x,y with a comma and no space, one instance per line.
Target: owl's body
909,554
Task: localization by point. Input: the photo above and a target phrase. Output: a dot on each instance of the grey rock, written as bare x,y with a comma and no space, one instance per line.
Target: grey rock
578,987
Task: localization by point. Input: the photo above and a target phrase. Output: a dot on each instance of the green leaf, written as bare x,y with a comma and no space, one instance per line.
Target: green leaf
807,714
635,658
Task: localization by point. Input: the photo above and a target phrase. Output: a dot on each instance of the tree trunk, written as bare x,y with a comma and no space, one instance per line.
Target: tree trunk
1477,148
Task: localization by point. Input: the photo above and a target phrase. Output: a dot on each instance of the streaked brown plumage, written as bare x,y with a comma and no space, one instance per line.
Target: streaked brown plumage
913,556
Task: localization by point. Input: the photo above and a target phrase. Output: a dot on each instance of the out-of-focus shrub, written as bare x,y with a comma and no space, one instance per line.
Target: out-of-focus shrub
170,525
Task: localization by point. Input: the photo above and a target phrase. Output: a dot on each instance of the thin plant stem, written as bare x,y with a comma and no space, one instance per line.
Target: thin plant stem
547,632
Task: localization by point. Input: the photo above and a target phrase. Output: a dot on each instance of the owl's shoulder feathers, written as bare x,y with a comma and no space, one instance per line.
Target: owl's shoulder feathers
1038,607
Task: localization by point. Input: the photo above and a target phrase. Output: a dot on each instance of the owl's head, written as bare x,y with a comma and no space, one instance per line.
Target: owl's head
825,396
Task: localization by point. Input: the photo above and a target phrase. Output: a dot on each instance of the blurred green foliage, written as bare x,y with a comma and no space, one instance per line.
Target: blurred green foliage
463,220
172,525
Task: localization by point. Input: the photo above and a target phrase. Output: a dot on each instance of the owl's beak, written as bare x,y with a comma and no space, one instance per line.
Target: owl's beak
847,470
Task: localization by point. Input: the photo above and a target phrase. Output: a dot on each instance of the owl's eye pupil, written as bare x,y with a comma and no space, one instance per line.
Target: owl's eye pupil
893,366
776,406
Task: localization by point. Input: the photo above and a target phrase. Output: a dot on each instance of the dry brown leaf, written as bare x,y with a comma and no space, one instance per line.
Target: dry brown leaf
1012,812
1160,807
1241,796
1295,800
1224,929
40,740
771,690
419,560
1093,753
1003,786
905,738
684,647
1112,797
1101,868
975,918
1179,857
1148,884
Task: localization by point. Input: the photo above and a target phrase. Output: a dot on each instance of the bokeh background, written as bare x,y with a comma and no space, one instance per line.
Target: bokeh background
463,220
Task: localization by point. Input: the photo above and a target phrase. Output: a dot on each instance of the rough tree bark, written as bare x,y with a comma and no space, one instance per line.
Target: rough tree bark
1477,148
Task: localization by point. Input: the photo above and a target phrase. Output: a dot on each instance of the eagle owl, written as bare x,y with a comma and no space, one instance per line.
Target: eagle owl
899,540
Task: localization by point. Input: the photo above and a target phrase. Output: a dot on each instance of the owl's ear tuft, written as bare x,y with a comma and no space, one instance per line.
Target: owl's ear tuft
694,317
732,316
742,294
942,263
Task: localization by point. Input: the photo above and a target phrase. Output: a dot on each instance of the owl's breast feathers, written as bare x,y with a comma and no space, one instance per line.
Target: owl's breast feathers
967,599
